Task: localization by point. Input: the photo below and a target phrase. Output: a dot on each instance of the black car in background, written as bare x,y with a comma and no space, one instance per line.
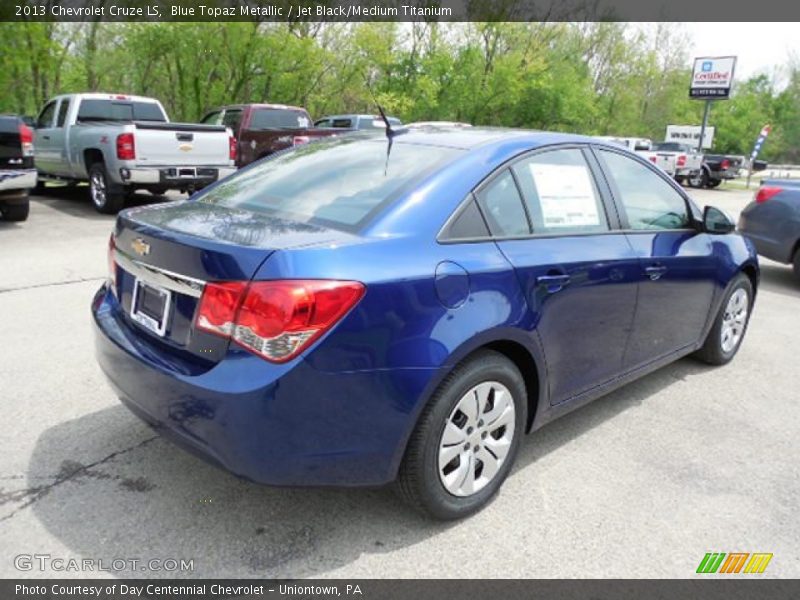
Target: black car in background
17,173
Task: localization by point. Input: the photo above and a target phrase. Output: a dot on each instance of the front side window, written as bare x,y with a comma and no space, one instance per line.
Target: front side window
337,182
647,199
502,206
232,118
45,118
560,193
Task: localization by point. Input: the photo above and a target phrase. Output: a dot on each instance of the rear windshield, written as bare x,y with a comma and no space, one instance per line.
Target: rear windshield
277,118
338,183
671,147
120,110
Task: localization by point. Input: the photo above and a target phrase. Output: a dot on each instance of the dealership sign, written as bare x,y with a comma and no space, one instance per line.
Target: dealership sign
712,77
689,134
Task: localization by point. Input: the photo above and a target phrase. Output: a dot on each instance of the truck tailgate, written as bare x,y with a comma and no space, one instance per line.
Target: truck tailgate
177,144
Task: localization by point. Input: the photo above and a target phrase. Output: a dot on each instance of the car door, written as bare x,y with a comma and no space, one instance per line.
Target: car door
44,148
578,273
676,280
60,164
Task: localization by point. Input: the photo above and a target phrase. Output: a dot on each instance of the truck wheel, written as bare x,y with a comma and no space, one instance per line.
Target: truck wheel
712,183
17,211
700,180
106,197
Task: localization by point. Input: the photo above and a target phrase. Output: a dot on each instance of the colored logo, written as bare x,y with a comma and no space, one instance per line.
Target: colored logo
734,562
141,247
707,66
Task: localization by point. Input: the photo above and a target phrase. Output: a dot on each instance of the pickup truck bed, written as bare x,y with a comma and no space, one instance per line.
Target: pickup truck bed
17,173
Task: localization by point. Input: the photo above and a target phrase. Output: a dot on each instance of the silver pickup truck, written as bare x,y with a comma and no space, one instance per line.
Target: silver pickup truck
122,143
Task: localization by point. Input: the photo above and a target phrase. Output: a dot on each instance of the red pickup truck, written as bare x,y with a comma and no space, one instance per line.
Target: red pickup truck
263,129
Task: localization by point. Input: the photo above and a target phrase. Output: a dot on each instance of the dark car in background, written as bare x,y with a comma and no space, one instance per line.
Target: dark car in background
264,129
365,310
359,122
17,171
772,221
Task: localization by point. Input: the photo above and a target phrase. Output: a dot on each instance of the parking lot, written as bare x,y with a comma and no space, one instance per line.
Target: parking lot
641,483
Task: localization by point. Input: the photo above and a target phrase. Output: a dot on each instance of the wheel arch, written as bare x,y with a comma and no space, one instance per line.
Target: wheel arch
92,156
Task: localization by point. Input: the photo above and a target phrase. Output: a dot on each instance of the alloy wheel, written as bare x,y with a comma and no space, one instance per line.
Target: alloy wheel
734,320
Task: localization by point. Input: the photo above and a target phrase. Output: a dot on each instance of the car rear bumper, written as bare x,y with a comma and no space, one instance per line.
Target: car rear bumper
22,179
276,424
174,177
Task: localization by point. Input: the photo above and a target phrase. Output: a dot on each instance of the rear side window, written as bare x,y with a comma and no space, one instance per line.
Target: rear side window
338,182
502,206
45,118
277,118
114,110
342,123
560,193
649,201
232,119
62,112
467,224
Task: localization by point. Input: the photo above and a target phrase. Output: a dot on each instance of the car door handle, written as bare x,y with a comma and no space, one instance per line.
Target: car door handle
654,272
554,282
45,137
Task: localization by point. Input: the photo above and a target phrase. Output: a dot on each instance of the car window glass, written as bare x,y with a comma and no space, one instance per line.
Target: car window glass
232,119
96,109
279,118
502,206
343,123
649,201
560,193
46,116
323,123
468,224
212,118
62,112
339,181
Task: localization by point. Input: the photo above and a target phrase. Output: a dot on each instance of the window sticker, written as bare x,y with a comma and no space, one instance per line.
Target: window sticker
566,195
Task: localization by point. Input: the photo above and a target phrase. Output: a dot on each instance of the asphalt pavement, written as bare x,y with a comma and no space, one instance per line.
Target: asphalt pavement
641,483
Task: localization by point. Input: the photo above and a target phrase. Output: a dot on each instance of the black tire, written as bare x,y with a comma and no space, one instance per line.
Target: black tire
712,183
40,188
112,198
418,481
16,212
796,263
713,351
158,191
698,181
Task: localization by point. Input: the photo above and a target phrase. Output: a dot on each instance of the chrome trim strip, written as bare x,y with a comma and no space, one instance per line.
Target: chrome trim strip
160,277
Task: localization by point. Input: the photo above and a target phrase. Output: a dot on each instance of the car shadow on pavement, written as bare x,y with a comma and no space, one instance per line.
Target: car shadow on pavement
74,201
107,487
779,279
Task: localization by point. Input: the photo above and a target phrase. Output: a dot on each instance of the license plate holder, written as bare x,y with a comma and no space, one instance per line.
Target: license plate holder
150,306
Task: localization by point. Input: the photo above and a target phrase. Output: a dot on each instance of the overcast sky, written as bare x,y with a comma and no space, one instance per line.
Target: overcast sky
758,46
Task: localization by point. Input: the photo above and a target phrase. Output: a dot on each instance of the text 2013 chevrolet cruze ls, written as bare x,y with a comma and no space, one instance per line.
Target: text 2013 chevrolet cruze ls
364,309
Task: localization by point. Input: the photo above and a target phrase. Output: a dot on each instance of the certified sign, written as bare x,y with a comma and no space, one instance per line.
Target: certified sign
712,77
690,134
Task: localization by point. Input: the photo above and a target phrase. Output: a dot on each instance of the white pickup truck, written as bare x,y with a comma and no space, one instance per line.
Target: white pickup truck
688,161
665,161
121,143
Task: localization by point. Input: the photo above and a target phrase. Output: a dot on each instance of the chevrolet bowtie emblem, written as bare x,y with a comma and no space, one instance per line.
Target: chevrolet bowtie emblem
141,247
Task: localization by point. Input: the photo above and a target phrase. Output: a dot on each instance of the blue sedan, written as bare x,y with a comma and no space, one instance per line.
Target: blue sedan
403,308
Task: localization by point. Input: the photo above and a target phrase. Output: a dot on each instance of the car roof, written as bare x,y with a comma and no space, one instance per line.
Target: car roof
355,115
472,137
257,105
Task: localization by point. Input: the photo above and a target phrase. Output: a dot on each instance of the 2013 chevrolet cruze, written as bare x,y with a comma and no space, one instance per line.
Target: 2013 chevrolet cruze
370,309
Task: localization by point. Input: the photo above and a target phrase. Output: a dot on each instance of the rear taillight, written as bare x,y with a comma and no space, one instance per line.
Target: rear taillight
126,146
112,262
26,139
653,159
681,160
299,140
276,320
724,164
232,148
765,193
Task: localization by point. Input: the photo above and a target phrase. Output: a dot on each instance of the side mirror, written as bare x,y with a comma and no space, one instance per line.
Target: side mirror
716,222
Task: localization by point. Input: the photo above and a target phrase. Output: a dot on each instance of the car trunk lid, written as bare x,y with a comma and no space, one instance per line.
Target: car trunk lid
165,254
